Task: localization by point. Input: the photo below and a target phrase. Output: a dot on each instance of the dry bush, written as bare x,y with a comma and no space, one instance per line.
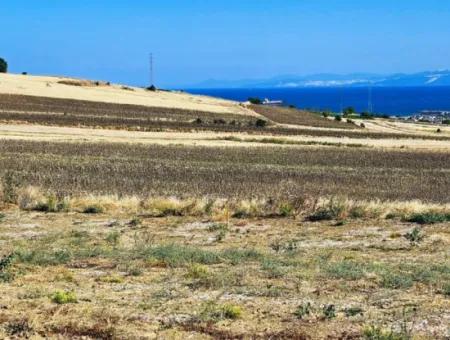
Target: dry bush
30,197
106,203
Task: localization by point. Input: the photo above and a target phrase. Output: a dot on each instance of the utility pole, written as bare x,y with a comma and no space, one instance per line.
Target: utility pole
370,104
151,70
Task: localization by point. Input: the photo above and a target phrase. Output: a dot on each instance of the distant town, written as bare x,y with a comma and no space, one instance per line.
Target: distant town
432,116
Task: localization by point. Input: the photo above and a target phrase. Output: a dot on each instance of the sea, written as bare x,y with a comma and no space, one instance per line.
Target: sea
394,101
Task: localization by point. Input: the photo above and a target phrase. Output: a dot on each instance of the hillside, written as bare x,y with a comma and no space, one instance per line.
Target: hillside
86,90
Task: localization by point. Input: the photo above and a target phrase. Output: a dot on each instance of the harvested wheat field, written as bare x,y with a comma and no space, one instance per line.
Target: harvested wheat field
133,214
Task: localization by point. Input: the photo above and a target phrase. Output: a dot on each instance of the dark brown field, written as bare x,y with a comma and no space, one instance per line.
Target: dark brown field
239,172
284,115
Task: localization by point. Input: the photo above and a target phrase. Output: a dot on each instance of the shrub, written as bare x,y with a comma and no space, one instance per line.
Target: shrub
338,118
273,269
334,209
286,209
5,264
396,281
414,236
353,311
429,217
446,289
135,222
349,111
113,238
93,209
255,100
19,329
329,311
52,204
30,198
62,298
366,115
3,66
220,121
303,310
197,271
261,123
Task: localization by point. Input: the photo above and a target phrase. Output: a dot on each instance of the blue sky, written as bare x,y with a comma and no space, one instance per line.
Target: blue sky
195,40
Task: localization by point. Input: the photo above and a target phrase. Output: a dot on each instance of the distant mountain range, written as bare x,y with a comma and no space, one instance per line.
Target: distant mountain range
429,78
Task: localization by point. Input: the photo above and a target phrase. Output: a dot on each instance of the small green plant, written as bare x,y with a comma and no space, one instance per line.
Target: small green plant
347,270
197,271
303,310
5,264
93,209
62,298
217,227
377,333
2,217
338,118
446,289
113,238
329,311
273,269
231,311
415,236
221,235
396,280
353,311
133,270
286,209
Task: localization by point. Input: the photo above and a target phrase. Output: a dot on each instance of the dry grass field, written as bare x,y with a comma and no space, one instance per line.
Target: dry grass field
124,219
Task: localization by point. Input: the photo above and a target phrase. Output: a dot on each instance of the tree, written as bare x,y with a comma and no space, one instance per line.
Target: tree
255,101
349,111
3,66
